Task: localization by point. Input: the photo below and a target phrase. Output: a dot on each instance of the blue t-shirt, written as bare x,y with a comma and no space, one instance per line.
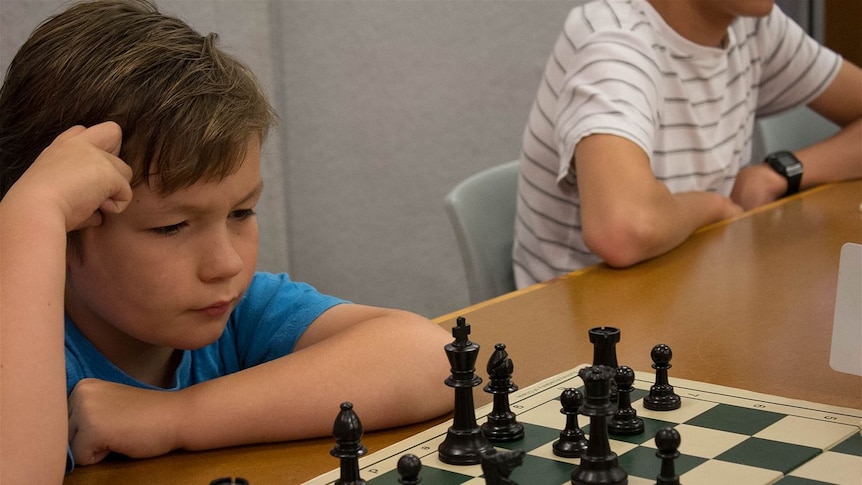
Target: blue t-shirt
265,325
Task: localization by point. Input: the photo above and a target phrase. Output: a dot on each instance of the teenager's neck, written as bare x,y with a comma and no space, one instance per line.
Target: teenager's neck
695,21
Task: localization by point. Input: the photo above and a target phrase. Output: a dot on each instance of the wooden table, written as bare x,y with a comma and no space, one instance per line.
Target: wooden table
746,303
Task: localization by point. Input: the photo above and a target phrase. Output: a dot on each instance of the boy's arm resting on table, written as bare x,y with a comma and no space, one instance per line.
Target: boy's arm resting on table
832,160
390,364
627,215
51,198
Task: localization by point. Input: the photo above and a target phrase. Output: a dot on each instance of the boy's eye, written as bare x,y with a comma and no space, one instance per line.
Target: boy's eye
168,230
242,214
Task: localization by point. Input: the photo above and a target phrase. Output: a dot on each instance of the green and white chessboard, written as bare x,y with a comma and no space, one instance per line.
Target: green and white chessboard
728,436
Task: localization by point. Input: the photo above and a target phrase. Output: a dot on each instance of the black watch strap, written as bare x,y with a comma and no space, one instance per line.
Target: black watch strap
787,165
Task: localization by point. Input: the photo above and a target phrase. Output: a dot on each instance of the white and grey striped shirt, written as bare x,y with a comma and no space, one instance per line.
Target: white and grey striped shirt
618,68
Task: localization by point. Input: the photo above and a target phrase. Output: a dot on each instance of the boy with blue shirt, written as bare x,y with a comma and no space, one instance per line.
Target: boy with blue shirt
129,173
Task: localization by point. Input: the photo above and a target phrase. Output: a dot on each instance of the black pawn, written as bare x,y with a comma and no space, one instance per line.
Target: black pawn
661,396
408,468
599,465
348,445
572,440
229,481
605,340
667,441
464,442
502,426
625,422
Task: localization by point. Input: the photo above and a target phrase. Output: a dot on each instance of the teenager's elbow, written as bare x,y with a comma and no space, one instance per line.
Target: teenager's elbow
622,242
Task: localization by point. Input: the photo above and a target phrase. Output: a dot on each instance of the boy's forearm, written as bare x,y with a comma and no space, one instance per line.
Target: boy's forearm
391,372
32,370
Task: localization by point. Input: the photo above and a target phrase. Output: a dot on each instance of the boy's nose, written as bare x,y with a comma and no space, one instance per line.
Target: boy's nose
220,259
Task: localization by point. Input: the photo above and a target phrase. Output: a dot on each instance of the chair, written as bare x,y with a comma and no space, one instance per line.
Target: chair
481,209
791,130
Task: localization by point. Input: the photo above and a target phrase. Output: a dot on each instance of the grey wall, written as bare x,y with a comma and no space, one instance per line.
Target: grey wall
385,105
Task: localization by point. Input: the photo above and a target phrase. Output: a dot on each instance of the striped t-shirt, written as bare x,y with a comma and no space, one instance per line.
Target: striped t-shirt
618,68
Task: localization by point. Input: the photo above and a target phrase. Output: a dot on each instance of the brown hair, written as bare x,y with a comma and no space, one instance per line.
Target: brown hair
186,108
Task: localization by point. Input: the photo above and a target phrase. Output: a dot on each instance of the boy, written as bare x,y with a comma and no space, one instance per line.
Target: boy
642,127
129,173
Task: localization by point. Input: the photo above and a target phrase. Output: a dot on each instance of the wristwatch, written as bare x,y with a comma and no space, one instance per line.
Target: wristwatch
789,167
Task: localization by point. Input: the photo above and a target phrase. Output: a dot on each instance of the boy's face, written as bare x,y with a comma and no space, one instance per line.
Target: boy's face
169,270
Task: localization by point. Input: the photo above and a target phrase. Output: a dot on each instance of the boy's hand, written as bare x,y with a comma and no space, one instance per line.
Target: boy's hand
80,174
108,417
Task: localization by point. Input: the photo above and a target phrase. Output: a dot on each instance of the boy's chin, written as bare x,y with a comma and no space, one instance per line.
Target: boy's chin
201,340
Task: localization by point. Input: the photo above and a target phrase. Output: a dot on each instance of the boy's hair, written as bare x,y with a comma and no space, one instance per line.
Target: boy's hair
186,108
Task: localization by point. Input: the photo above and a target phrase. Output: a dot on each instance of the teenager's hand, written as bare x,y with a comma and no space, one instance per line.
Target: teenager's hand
756,185
80,175
108,417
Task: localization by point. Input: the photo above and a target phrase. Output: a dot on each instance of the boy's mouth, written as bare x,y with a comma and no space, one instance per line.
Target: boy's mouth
217,309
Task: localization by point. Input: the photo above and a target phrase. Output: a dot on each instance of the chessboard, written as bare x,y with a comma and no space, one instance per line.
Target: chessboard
727,436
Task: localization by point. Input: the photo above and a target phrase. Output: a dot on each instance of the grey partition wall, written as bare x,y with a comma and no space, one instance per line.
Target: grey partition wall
385,105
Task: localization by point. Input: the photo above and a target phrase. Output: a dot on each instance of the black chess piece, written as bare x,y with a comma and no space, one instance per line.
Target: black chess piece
497,465
572,440
661,396
667,442
605,340
599,465
348,445
408,468
229,481
502,426
625,422
464,442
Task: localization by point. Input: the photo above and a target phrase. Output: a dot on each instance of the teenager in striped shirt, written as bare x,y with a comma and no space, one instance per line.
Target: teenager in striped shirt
641,131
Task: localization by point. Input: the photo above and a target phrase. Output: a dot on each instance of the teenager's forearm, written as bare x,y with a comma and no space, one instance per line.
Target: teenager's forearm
658,225
838,158
32,370
391,372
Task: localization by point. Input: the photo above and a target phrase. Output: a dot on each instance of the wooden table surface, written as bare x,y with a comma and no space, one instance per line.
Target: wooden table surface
746,303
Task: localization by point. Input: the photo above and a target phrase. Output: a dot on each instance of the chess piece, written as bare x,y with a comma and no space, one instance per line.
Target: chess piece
502,425
497,465
667,442
464,442
625,422
605,340
229,481
348,445
408,469
598,465
572,440
661,396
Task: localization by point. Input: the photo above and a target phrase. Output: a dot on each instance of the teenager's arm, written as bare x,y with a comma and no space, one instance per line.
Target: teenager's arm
627,215
835,159
61,190
840,157
390,364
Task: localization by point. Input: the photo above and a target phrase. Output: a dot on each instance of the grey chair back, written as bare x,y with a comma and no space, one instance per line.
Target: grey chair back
481,209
